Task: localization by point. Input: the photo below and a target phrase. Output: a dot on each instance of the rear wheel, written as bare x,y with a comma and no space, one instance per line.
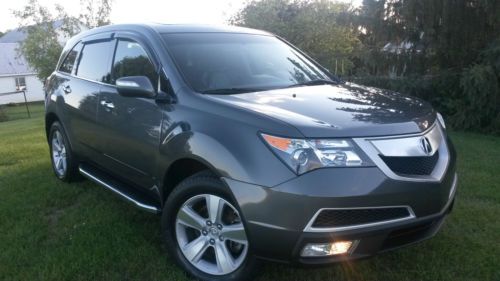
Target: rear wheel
205,232
63,160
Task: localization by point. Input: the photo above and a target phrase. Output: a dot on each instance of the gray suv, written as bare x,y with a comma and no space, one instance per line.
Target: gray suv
247,148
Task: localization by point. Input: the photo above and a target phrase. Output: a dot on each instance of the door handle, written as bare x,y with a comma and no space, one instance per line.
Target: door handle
67,89
109,105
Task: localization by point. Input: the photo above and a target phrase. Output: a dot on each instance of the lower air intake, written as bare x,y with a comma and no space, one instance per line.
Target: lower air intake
348,217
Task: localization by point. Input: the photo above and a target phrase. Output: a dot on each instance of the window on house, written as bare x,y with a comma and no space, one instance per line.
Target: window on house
20,84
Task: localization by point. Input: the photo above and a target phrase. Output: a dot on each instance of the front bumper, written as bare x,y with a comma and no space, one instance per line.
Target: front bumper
375,240
277,218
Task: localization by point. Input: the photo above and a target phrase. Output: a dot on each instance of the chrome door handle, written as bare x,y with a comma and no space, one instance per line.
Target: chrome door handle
67,89
109,105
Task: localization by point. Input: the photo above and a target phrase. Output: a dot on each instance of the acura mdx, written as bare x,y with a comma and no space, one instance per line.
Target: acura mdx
248,148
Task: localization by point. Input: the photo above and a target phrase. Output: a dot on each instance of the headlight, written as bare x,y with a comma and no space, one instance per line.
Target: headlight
303,155
441,120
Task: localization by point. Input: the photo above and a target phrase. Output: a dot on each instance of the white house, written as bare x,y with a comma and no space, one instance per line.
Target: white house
16,75
15,72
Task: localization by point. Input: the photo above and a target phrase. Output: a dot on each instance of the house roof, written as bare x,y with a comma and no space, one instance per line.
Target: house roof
11,63
18,35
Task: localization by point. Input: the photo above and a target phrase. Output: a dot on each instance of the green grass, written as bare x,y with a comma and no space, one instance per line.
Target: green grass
18,111
50,230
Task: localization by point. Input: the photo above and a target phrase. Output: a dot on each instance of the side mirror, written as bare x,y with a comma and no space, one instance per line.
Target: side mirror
135,86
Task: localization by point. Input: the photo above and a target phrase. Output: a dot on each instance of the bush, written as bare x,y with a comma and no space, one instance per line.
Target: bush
3,116
481,96
469,100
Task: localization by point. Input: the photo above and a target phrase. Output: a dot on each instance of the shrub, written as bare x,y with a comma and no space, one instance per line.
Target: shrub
468,100
3,116
481,96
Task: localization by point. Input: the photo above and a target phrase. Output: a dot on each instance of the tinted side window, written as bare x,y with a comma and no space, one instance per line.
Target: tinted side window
70,60
94,61
132,60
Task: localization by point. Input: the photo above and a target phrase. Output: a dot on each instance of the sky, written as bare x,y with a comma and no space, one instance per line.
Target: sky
129,11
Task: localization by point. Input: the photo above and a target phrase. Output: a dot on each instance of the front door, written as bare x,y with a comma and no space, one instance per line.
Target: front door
131,126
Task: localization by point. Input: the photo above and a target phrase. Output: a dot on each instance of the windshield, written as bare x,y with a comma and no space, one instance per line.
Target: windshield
212,62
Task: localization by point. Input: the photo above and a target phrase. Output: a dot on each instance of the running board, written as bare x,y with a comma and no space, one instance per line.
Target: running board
125,192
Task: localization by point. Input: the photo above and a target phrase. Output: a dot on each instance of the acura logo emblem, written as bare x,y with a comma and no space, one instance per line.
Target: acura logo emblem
426,146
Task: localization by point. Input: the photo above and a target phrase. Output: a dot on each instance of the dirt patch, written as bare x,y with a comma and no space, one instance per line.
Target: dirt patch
55,215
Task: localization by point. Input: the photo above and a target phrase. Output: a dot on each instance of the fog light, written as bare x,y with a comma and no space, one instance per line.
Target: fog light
327,249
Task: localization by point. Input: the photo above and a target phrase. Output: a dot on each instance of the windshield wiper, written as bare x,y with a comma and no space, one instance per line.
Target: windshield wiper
314,83
230,91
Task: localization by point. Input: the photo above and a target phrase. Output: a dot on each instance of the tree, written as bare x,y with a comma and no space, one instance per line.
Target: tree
453,46
443,35
96,12
1,34
42,46
321,28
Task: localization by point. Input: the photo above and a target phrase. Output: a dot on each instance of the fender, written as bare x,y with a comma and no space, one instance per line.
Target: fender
203,148
53,104
224,156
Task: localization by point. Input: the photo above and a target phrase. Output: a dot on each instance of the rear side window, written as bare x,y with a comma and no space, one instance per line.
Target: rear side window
70,60
132,60
94,62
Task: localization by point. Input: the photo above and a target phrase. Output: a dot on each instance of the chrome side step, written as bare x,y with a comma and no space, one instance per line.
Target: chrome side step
87,172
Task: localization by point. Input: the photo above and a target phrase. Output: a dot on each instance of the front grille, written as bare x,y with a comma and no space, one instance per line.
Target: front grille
349,217
413,165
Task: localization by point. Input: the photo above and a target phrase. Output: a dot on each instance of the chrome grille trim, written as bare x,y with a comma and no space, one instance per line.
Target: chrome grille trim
404,146
373,147
309,227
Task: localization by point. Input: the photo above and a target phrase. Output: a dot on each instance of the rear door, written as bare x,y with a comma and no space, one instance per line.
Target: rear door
131,126
85,77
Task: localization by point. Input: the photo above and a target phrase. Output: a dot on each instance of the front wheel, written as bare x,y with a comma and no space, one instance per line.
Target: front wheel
205,232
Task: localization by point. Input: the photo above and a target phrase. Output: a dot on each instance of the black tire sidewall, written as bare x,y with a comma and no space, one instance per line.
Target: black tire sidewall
201,183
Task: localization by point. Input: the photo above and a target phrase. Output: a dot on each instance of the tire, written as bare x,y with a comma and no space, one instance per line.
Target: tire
64,161
213,265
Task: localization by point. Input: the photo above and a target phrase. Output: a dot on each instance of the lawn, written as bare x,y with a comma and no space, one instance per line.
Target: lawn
50,230
19,111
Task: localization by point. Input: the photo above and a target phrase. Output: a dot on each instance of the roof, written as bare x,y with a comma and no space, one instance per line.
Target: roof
18,35
147,29
10,62
171,28
200,28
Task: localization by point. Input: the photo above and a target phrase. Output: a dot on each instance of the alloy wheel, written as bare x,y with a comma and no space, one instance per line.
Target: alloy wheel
59,154
211,235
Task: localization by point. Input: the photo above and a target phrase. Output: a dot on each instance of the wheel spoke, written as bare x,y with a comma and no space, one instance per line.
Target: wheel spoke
188,217
215,205
235,232
56,146
194,250
59,138
225,261
58,163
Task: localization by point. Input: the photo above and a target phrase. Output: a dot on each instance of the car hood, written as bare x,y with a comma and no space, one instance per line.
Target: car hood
345,110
